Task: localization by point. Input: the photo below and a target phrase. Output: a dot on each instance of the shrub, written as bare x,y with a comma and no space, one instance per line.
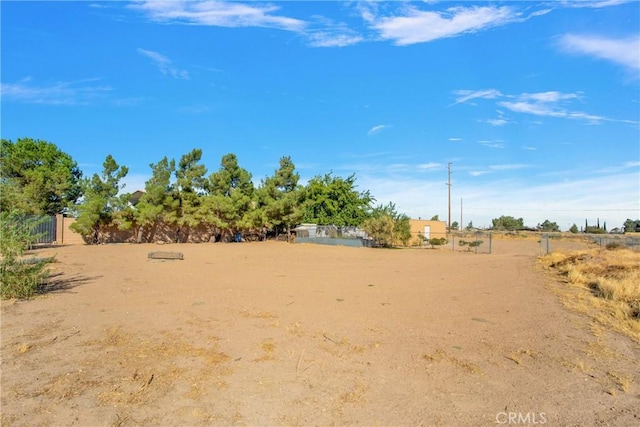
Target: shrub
437,241
20,278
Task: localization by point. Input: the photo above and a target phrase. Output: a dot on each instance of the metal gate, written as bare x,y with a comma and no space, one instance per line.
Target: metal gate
43,228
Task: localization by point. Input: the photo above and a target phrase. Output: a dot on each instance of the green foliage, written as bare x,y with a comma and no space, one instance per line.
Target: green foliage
437,241
101,201
158,204
631,226
381,229
470,244
37,178
230,206
573,229
507,223
595,230
435,218
548,226
190,185
18,278
386,226
470,225
279,197
455,225
331,200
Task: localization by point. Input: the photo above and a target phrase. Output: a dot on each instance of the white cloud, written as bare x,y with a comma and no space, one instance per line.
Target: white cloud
59,93
164,64
332,39
545,104
492,144
455,139
376,129
429,166
625,52
467,95
417,26
550,96
218,13
497,122
594,4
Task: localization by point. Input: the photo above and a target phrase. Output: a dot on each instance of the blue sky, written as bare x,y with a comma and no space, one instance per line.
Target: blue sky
535,105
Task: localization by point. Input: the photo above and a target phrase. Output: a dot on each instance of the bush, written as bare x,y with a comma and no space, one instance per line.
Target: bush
20,278
437,241
471,244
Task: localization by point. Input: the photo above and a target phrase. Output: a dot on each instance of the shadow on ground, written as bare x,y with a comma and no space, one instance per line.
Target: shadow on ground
59,283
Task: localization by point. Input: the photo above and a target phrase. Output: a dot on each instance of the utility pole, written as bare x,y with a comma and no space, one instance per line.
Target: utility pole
449,185
460,227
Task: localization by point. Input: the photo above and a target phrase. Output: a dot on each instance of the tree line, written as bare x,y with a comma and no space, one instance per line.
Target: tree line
37,178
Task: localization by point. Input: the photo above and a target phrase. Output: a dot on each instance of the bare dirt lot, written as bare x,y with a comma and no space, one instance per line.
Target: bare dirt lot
277,334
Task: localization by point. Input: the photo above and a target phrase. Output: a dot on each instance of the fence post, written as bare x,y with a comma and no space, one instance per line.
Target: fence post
59,229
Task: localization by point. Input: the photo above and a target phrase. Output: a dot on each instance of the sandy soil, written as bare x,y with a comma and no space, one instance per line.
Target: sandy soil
277,334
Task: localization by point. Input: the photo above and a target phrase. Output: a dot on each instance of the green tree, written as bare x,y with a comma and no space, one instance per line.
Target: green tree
381,229
548,226
507,223
573,229
331,200
36,177
435,218
386,226
189,188
101,201
158,204
631,226
455,225
470,225
279,197
230,204
402,228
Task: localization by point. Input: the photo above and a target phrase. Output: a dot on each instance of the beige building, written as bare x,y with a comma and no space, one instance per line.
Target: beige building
429,229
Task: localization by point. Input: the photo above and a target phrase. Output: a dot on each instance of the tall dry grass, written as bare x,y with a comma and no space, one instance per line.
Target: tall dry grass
611,275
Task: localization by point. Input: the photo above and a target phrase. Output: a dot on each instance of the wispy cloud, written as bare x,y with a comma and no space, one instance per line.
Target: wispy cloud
492,144
376,129
164,64
419,26
593,4
497,122
625,51
333,39
545,104
464,96
430,166
501,120
455,139
218,13
81,92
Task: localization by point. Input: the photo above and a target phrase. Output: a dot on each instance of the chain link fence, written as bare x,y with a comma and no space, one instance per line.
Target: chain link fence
550,242
479,242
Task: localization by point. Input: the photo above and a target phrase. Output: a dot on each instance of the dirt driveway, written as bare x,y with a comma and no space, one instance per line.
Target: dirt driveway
276,334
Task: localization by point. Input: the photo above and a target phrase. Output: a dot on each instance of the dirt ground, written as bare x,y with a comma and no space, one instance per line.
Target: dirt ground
271,333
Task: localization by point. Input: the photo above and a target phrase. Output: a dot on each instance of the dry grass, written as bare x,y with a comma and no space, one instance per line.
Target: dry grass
612,277
464,365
